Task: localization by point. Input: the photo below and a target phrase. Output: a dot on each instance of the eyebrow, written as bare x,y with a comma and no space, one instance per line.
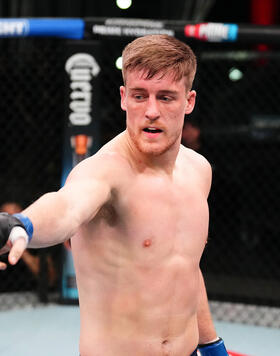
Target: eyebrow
136,89
168,92
162,92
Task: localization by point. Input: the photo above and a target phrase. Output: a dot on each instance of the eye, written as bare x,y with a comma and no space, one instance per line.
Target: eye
139,97
166,98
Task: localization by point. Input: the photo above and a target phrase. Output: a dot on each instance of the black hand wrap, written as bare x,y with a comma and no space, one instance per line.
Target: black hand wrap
7,222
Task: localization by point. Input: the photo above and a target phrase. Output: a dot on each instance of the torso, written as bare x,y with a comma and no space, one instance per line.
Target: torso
137,264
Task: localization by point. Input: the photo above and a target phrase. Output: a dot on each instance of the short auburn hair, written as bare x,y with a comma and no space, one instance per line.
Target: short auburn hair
155,54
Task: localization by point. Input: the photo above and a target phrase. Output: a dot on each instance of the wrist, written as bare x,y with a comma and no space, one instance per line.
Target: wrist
217,338
214,348
27,224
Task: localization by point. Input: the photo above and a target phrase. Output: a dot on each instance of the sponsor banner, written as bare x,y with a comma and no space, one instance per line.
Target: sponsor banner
63,28
95,28
81,137
212,32
118,27
128,31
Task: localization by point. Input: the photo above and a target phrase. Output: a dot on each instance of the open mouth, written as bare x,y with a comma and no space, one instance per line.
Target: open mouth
152,130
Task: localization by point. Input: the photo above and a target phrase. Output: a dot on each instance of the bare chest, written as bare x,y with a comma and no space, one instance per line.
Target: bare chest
165,215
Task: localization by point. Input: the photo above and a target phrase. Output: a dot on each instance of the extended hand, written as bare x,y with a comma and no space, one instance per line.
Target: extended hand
16,250
15,233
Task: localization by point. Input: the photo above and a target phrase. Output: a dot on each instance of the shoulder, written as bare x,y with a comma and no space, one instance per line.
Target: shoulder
198,163
194,158
108,164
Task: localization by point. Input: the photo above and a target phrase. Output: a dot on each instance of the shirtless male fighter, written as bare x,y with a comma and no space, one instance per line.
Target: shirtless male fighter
137,216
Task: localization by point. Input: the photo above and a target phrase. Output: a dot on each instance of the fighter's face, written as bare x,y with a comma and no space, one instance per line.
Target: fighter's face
155,110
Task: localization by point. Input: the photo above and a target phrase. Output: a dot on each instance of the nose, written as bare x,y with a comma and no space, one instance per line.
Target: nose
152,109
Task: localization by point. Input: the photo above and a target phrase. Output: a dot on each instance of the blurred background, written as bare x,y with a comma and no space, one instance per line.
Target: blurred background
191,10
235,125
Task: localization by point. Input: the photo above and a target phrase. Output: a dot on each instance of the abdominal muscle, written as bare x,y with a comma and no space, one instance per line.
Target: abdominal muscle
132,308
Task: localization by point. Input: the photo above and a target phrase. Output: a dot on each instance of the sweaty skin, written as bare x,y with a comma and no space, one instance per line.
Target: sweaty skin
138,216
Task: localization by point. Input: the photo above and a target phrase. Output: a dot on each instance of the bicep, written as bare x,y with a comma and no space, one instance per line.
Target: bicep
85,197
56,216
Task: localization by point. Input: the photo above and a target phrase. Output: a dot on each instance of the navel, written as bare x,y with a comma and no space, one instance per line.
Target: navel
147,243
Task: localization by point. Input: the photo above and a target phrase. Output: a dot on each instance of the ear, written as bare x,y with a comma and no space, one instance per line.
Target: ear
123,97
190,101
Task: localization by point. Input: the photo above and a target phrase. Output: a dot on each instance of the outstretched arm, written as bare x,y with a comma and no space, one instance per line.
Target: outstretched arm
57,216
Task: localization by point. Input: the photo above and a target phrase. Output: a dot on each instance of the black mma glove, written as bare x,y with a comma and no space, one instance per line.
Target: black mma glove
9,222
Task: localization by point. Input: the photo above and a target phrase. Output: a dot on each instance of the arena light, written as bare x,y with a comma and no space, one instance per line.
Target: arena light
118,63
123,4
235,74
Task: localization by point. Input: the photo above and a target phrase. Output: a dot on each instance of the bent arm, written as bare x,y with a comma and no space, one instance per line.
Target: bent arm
57,216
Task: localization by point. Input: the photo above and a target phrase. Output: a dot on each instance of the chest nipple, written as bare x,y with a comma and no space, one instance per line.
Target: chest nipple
147,243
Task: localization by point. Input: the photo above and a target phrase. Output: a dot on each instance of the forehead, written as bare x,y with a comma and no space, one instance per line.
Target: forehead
160,81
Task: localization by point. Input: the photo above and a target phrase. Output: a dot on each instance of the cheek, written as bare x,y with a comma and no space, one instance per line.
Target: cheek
135,112
177,116
131,118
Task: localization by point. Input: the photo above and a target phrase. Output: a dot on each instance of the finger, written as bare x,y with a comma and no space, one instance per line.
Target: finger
17,250
5,249
3,266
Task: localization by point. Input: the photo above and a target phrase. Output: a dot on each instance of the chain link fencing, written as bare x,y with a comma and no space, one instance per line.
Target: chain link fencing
240,129
237,117
30,157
